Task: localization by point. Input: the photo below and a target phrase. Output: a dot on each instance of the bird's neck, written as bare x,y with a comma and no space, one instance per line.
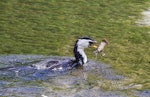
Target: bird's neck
83,55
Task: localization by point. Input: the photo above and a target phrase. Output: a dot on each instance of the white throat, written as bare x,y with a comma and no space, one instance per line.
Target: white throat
81,51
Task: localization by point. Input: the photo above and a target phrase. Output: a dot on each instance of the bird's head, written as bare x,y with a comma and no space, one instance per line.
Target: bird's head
80,45
85,42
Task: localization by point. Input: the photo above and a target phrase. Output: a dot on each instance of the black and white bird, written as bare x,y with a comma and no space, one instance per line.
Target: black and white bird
79,54
80,45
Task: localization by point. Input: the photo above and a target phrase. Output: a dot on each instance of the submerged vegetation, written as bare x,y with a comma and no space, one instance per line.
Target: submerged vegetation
50,27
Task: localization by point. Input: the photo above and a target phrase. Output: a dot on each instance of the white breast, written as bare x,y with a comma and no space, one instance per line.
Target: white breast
81,51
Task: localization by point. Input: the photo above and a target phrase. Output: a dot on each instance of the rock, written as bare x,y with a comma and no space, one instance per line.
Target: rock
145,21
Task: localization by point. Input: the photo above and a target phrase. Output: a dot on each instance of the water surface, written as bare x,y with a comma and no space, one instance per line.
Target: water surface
18,78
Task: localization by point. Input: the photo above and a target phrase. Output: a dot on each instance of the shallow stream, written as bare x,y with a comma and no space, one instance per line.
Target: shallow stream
19,79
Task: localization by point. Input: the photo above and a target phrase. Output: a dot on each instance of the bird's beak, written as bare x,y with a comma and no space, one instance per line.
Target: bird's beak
94,44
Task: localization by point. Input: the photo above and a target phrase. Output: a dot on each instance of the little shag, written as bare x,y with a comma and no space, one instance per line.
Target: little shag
62,65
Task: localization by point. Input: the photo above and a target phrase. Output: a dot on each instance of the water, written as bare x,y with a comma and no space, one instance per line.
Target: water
18,78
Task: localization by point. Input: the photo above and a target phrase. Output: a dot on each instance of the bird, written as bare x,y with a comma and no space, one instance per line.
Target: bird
79,54
80,45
